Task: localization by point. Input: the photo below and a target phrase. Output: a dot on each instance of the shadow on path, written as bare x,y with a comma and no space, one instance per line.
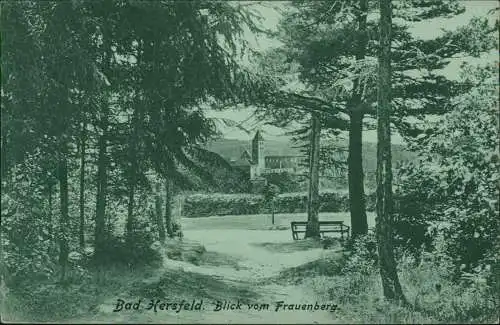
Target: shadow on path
186,284
289,247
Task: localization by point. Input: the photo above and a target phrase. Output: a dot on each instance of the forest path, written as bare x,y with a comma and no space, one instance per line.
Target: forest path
244,268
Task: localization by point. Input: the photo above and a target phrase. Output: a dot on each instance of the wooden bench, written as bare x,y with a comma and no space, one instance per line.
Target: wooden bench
324,227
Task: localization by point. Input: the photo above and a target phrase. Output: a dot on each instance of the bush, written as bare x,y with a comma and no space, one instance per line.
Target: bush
352,273
139,251
411,225
286,182
26,243
362,254
203,205
451,190
433,294
446,224
430,287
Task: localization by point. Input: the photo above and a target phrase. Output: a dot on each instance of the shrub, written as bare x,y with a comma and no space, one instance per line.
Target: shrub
433,294
139,251
362,254
430,288
204,205
286,182
451,189
26,243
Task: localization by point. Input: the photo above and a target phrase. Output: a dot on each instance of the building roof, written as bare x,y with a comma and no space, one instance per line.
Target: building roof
240,162
234,150
246,155
283,156
245,159
258,136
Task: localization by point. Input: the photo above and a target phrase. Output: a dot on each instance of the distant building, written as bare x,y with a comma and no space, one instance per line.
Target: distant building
258,164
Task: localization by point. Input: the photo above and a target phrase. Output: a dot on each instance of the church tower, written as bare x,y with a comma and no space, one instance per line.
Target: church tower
258,152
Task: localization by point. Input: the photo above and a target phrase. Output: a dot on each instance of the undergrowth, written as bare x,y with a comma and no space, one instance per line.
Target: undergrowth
434,295
87,287
82,292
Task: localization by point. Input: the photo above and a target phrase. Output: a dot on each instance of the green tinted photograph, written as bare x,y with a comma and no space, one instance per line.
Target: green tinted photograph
250,162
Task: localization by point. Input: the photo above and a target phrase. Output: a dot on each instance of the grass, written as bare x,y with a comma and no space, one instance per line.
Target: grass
326,267
195,253
263,221
219,259
354,286
50,301
289,247
359,295
358,289
184,250
191,285
88,291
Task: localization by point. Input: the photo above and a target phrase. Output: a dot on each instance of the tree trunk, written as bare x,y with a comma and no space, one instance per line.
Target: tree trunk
130,206
83,140
62,173
3,157
168,207
272,212
357,205
132,181
50,226
312,228
387,263
158,212
100,220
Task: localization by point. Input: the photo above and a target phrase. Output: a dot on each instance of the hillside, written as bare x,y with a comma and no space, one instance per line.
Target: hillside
232,148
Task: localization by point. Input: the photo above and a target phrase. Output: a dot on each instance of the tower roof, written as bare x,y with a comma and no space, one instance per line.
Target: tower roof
258,136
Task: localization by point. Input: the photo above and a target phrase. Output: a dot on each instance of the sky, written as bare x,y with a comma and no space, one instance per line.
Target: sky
424,30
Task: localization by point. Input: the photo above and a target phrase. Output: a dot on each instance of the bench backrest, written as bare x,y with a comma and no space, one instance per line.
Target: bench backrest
323,225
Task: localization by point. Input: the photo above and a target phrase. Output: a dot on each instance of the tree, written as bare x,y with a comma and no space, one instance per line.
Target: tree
357,205
168,207
330,52
167,123
387,263
158,212
312,228
306,50
103,99
112,96
287,182
102,183
270,193
159,92
82,144
450,191
57,43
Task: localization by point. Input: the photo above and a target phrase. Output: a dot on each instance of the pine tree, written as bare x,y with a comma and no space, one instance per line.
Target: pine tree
330,49
312,228
70,64
390,281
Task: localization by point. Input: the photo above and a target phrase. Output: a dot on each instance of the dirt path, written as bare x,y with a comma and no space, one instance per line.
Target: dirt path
253,258
263,255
